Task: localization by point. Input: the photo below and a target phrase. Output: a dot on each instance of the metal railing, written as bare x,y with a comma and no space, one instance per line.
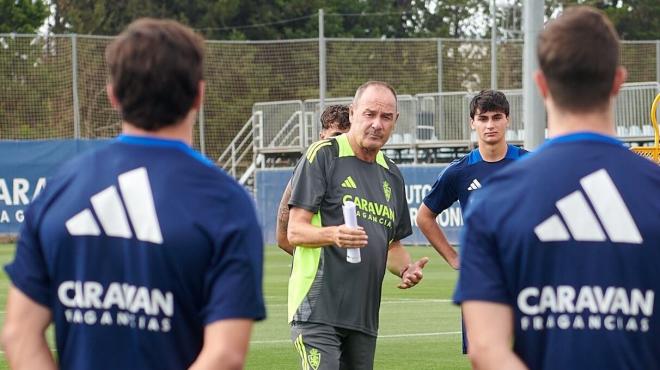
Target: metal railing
440,119
231,160
429,120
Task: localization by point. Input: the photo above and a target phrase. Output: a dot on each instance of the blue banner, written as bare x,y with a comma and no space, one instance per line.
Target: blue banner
24,169
26,165
270,184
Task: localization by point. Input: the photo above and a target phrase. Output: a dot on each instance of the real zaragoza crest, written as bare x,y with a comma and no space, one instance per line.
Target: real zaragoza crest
314,358
387,190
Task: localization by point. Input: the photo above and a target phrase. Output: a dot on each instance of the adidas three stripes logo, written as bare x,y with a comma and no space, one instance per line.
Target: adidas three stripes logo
349,183
474,185
582,223
107,205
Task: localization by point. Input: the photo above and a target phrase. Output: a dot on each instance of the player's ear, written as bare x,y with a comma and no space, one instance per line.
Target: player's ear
114,102
620,76
541,83
351,112
201,88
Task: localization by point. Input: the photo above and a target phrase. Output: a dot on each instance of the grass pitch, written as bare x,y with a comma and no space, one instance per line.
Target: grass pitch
419,327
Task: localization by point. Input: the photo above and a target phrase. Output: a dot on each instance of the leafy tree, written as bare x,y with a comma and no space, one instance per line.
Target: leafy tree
633,19
22,16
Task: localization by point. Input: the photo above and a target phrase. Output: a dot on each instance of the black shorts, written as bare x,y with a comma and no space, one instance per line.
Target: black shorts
325,347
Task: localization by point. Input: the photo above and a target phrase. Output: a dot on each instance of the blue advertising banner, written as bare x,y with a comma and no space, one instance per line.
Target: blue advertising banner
270,184
26,165
24,169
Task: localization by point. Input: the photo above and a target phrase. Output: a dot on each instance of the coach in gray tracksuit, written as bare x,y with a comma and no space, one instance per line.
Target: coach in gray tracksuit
333,304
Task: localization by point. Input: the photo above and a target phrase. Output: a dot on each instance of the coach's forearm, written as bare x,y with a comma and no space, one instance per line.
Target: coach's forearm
307,235
397,258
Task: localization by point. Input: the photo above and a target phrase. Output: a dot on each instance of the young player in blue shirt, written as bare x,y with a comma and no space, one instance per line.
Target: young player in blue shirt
489,117
143,253
560,250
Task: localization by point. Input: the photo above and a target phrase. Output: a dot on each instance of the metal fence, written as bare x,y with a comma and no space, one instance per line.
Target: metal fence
54,87
432,119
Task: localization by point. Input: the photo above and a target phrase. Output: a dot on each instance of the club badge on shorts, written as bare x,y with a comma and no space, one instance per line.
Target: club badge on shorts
314,358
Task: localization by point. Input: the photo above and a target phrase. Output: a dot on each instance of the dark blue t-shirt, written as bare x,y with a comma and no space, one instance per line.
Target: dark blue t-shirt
463,176
569,237
135,248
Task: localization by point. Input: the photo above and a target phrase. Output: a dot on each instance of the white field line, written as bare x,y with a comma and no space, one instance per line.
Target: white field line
379,337
393,301
389,301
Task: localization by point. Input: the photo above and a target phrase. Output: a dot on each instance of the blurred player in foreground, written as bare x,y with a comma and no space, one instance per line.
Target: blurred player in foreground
561,249
334,122
489,117
143,253
333,304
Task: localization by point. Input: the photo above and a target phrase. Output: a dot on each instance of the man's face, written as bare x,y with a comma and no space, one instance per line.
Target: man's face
490,126
332,131
373,117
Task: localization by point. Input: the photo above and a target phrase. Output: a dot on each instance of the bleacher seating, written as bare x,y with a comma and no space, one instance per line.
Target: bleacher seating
429,121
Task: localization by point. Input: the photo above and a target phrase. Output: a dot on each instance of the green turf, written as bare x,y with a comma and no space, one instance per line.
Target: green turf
419,327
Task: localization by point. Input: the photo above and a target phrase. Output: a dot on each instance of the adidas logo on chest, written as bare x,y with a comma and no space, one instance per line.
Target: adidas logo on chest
349,183
474,185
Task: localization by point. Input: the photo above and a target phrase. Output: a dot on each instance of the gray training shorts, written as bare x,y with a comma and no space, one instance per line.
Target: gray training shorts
325,347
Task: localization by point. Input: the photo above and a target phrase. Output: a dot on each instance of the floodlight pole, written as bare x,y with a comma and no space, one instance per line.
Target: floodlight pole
322,61
533,108
74,81
493,46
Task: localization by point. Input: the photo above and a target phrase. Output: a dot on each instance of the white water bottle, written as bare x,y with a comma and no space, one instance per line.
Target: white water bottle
350,219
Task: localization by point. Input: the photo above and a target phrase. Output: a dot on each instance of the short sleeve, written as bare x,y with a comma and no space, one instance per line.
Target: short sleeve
443,194
309,181
403,226
233,282
28,271
481,277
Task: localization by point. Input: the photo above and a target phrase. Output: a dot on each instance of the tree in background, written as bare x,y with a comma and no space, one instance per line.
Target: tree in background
22,16
35,75
633,19
286,19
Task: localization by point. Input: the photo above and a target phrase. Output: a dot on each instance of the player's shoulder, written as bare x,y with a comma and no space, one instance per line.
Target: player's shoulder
516,152
457,165
81,165
388,164
322,149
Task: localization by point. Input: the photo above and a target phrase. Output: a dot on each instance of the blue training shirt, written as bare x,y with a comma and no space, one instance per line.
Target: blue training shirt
569,237
463,176
135,248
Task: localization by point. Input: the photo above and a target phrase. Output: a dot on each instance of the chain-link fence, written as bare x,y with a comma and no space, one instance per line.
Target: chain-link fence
54,87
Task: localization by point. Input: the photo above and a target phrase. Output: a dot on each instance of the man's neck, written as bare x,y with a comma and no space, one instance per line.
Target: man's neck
364,154
493,152
561,122
181,131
